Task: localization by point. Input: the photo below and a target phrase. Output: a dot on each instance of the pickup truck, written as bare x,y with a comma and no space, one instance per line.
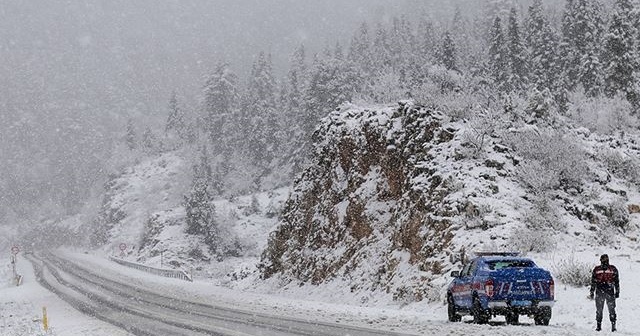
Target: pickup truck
493,284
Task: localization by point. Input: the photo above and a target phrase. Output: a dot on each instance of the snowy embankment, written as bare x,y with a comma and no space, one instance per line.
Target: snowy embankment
21,312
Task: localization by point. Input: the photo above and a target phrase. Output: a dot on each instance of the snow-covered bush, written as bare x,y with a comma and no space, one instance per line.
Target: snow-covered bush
550,159
531,240
616,213
543,215
386,88
536,177
572,272
540,104
620,165
602,114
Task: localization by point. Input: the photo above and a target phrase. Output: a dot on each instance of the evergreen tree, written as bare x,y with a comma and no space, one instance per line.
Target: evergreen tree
149,141
296,85
459,33
200,211
447,54
130,137
401,41
221,96
581,40
332,82
360,53
620,54
259,109
426,41
382,49
176,124
543,45
516,54
498,58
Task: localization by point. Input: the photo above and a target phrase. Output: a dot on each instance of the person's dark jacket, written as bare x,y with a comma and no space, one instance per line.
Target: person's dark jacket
604,280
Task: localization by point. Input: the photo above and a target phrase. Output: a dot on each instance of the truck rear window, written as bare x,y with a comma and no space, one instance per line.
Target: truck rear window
500,264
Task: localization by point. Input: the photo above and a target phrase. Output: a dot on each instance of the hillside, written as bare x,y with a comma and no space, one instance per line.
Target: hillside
397,197
394,198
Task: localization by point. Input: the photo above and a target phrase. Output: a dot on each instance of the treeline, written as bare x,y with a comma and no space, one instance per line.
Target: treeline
255,136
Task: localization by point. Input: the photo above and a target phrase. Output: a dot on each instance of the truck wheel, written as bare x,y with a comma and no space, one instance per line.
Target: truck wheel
512,318
543,316
479,314
451,310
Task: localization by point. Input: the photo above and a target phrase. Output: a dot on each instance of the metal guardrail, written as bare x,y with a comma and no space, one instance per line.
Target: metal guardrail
168,273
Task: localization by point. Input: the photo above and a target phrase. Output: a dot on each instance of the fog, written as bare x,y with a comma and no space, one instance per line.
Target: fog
73,73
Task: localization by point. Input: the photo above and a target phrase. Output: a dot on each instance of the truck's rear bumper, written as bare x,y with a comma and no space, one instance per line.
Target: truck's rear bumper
499,305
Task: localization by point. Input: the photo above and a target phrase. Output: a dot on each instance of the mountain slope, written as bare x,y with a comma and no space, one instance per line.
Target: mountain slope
397,197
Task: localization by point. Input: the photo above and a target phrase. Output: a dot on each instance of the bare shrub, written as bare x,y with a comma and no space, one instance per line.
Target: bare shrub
529,240
482,127
548,151
621,165
572,272
616,213
543,215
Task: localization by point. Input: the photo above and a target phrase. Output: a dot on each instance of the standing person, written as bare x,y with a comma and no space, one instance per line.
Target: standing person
605,283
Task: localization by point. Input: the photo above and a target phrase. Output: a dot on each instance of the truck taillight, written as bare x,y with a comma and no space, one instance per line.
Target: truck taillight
552,288
488,287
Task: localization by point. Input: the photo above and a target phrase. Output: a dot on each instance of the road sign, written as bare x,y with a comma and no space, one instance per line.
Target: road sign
123,246
15,250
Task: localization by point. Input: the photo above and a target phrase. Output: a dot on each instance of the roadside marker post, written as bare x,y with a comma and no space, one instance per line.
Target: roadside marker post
45,319
14,259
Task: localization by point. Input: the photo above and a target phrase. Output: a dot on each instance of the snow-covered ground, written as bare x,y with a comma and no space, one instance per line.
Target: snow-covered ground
21,307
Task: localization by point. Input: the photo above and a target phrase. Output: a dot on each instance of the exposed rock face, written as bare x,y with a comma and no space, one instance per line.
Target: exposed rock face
371,207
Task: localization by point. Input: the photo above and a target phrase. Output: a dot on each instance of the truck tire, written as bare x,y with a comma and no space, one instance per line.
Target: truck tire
543,316
480,316
512,318
451,310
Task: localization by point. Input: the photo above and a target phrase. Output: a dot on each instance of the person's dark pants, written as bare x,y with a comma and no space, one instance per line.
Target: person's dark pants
611,306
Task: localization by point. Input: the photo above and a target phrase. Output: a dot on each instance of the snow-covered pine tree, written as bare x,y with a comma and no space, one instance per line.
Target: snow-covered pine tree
259,109
543,46
331,83
620,53
516,54
571,59
426,41
498,57
221,96
382,56
296,83
199,209
447,54
591,70
360,53
149,141
401,41
460,35
176,129
131,136
581,40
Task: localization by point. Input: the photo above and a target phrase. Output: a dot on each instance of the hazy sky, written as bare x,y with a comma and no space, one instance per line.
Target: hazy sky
122,54
73,71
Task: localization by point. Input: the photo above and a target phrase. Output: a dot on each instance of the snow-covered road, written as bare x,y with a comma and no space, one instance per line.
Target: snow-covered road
20,307
147,311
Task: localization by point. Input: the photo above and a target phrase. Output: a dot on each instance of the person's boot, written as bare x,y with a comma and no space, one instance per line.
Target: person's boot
613,326
598,326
